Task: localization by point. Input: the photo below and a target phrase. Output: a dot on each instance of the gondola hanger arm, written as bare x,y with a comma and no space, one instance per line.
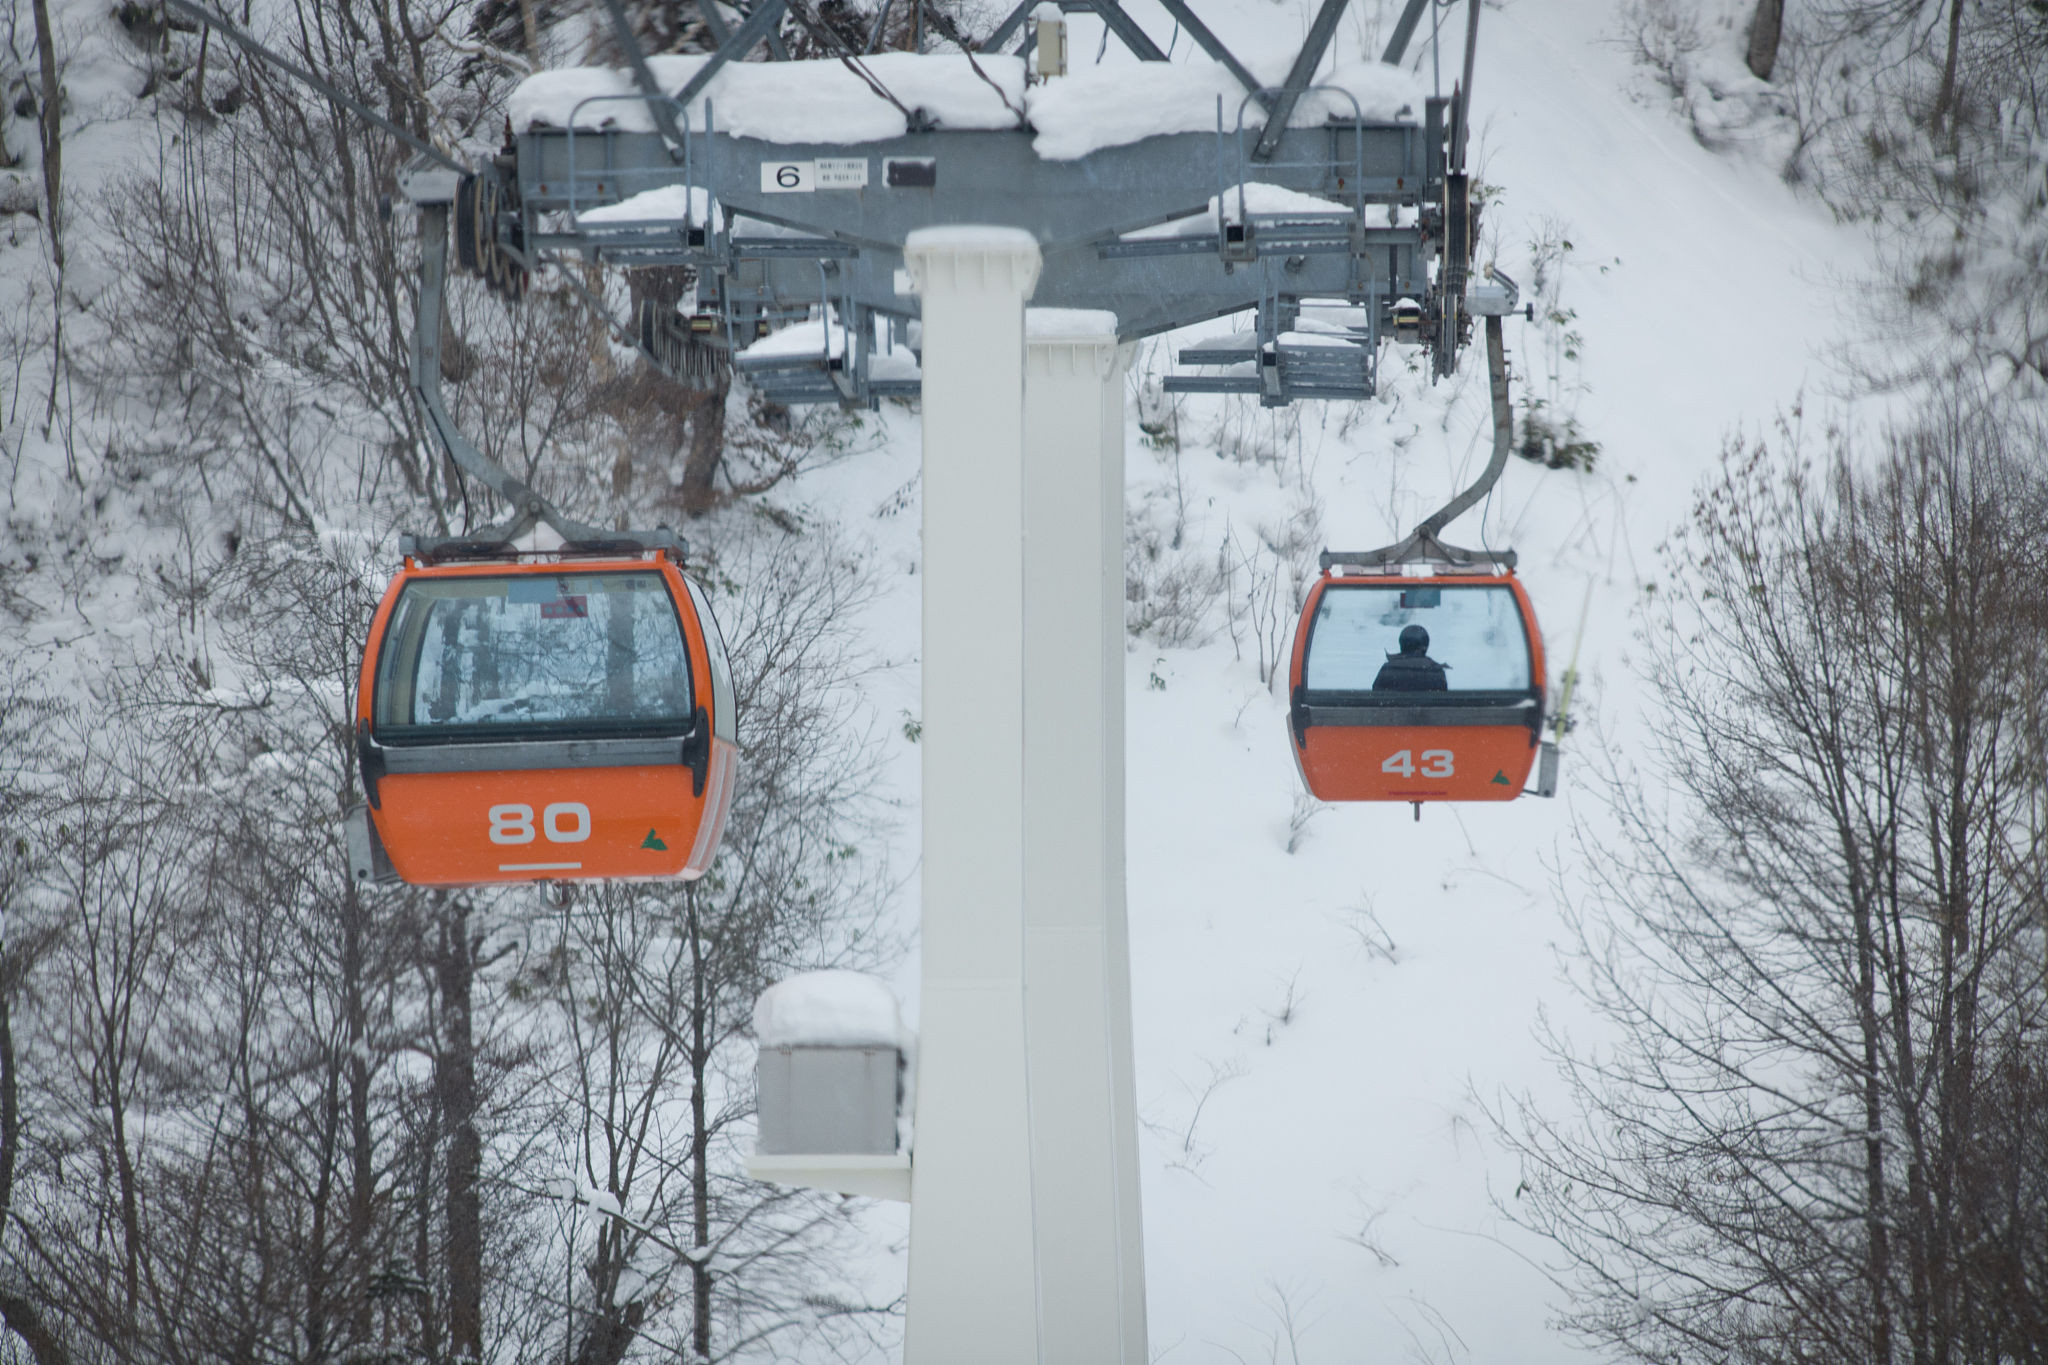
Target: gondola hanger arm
1422,545
1503,436
527,507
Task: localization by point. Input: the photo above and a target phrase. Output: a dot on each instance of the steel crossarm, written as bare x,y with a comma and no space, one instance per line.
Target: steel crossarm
1126,28
759,24
1109,11
1213,45
1299,78
1404,29
657,102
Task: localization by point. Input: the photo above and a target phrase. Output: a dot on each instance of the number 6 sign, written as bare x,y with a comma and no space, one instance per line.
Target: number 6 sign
789,177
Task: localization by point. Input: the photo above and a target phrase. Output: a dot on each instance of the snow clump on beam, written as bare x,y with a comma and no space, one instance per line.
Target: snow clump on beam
824,340
825,103
669,203
1257,197
1114,106
811,101
829,1009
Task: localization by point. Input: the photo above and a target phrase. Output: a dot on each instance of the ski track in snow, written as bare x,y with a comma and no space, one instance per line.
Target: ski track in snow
1330,1157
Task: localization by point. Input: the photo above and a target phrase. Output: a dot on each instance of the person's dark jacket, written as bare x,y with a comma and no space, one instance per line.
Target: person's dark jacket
1410,673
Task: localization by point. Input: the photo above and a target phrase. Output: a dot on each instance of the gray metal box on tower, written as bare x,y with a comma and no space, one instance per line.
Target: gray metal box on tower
828,1100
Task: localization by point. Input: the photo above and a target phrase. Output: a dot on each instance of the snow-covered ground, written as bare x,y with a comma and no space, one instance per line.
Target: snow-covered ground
1313,1026
1344,1177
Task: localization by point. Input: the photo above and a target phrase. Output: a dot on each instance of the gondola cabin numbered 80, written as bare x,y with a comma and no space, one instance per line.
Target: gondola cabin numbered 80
536,721
1416,688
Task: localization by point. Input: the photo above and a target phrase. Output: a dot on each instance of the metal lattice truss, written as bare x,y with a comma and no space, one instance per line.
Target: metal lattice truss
1375,243
1387,260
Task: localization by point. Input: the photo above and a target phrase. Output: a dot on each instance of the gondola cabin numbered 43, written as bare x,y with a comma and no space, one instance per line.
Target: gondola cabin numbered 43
1416,688
565,719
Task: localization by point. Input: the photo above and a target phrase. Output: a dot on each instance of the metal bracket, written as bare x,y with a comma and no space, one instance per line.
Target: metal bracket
367,861
425,181
1500,296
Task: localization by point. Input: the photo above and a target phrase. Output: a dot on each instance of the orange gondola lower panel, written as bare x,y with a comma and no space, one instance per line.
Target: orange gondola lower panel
560,718
1416,687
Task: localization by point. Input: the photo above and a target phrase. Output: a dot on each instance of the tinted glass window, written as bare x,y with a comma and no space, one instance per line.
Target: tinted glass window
1474,632
563,650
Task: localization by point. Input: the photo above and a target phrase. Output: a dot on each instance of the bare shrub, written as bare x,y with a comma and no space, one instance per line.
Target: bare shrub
1171,586
1304,809
1923,120
1816,1135
1550,433
1266,581
1250,434
1664,35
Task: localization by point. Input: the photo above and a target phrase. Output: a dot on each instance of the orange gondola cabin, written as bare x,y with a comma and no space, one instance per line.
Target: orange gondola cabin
1416,687
561,718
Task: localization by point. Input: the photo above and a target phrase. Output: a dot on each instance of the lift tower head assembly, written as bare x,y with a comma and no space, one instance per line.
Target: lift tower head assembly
1337,206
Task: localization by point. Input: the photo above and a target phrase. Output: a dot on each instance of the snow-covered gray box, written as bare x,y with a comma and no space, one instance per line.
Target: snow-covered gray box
828,1100
832,1066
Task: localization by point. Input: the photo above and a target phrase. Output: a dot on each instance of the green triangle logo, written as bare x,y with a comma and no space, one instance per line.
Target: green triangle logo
653,840
1500,778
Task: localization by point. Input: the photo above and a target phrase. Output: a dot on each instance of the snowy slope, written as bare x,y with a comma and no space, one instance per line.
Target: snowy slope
66,501
1326,1164
1706,295
1323,1163
1311,1026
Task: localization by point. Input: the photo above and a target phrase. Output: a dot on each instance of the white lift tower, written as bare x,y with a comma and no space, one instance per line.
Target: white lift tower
1026,1244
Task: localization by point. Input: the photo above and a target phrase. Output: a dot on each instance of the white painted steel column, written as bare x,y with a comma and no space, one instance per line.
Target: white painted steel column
973,1283
1077,1005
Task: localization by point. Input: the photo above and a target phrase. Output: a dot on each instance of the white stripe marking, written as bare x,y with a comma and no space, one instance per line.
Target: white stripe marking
538,867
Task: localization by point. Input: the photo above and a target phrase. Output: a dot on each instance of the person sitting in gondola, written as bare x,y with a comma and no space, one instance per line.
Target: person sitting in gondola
1412,670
